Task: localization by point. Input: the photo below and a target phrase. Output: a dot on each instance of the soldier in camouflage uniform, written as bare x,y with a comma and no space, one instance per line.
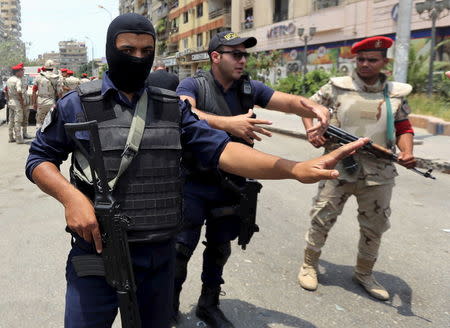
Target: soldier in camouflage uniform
45,92
360,105
16,104
62,85
84,78
72,81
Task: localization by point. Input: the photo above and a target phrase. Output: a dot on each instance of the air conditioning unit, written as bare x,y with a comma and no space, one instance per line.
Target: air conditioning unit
280,72
345,68
293,66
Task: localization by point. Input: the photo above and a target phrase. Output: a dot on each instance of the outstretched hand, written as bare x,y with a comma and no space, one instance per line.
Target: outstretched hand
245,127
323,117
322,168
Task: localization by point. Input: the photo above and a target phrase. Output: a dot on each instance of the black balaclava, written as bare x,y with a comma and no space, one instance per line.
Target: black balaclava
128,73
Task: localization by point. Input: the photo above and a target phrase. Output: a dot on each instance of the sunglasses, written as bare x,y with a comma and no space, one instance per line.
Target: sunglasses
236,54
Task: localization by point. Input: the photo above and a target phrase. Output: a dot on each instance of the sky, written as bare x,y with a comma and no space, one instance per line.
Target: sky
46,22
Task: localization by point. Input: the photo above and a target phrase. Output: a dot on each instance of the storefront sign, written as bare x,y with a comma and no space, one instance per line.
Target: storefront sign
281,30
200,56
170,62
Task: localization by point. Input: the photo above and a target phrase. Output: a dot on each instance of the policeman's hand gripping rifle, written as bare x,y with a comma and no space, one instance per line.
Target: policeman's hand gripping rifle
343,137
113,227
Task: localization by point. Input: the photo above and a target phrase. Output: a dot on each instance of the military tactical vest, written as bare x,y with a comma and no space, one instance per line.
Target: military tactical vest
211,100
149,191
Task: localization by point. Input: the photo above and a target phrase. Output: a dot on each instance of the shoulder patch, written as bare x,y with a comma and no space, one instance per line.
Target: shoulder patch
49,119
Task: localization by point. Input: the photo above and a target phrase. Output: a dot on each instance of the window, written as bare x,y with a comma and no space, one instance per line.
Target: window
185,17
248,21
200,10
185,43
281,10
199,40
322,4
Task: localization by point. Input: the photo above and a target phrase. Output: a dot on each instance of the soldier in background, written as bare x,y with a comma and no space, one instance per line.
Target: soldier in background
45,92
72,81
84,78
62,85
161,78
26,108
16,104
363,104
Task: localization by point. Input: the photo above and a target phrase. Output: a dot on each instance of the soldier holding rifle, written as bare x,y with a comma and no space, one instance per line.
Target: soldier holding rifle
364,104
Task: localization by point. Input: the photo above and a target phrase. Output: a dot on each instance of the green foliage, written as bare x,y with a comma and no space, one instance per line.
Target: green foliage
102,70
161,25
434,106
305,85
85,68
261,61
11,53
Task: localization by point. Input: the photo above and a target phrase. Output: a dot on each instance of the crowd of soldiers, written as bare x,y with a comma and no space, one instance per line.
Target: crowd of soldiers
49,86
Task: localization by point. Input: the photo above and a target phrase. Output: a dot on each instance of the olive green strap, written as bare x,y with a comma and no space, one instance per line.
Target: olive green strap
131,147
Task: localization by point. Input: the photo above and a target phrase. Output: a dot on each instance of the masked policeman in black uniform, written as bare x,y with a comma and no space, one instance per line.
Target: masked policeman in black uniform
224,97
149,190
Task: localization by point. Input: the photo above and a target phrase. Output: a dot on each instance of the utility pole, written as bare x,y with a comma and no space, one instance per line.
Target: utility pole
401,60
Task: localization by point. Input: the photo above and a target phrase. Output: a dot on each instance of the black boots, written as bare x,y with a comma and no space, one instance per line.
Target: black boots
208,310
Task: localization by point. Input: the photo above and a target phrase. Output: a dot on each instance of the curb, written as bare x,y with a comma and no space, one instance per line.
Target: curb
423,163
432,124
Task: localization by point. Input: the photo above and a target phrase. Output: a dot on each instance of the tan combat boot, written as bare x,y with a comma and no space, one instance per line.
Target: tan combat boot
25,133
363,275
11,138
307,276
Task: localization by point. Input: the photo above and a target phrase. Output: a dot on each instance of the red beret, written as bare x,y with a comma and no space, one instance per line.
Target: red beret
39,70
374,43
69,71
17,67
64,69
84,75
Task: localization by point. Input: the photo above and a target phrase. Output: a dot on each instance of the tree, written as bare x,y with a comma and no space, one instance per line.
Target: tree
261,61
11,53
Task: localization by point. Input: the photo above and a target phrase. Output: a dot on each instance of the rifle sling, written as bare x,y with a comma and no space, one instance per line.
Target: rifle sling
131,147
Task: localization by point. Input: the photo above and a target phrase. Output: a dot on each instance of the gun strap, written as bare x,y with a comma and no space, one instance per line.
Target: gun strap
131,147
390,119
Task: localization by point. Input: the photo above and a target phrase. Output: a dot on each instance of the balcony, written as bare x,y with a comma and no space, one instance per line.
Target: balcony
219,12
246,25
322,4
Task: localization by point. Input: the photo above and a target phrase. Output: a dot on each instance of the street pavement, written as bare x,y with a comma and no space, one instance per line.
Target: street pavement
261,285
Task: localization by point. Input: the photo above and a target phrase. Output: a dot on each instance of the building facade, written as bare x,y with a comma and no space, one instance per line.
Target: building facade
338,24
193,24
10,19
72,54
49,55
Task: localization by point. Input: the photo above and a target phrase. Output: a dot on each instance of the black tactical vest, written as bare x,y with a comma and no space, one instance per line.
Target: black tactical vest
149,191
211,100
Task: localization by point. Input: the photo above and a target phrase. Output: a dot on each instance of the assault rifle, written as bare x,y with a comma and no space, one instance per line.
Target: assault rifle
113,227
343,137
245,208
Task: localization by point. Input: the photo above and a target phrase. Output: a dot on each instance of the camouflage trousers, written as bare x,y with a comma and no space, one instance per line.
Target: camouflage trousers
41,113
373,213
16,119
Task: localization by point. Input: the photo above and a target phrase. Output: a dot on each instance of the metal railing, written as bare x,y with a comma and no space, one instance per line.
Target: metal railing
219,12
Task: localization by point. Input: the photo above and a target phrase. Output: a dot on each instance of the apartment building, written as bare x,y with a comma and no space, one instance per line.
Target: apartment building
141,7
53,55
10,19
283,25
193,24
72,54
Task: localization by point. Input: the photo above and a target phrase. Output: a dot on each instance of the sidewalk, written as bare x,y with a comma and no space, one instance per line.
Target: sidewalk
432,151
